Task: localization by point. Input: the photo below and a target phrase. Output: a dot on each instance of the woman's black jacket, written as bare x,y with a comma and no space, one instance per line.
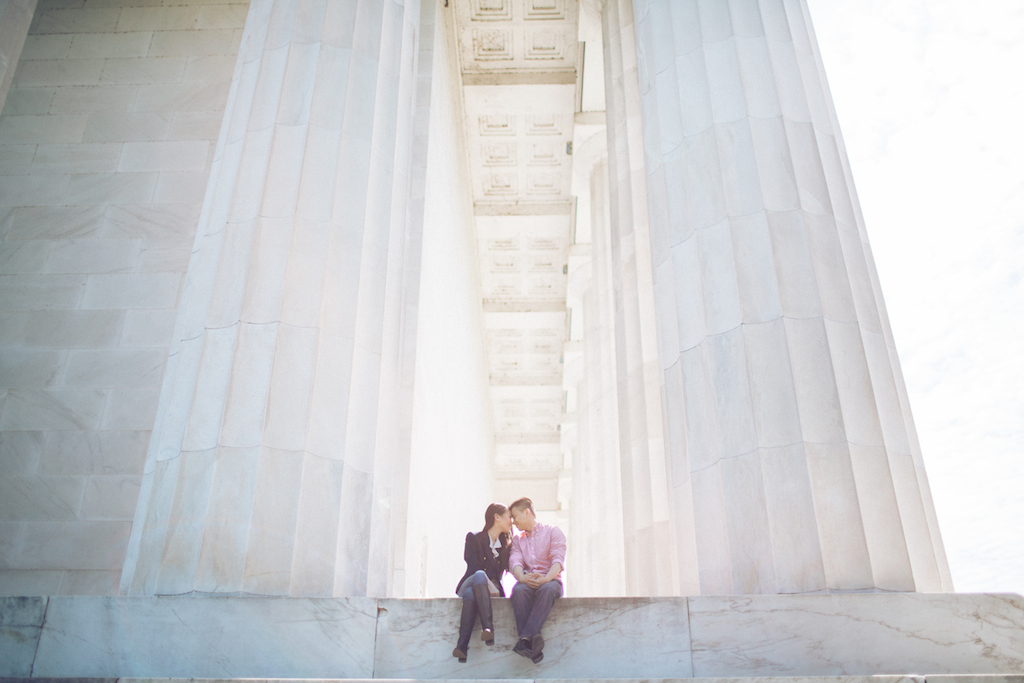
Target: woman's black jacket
479,556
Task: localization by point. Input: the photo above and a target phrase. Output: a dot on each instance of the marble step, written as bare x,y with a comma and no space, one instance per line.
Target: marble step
775,637
910,678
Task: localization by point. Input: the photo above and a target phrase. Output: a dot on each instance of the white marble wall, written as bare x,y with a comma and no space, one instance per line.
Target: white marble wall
105,147
280,451
793,461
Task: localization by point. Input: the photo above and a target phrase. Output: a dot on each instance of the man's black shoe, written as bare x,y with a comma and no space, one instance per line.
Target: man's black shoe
537,648
522,647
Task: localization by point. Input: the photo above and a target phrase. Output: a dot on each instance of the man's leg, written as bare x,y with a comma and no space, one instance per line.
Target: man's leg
544,598
522,603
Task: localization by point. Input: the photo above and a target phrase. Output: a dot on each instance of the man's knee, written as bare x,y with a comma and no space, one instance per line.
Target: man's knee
521,592
550,590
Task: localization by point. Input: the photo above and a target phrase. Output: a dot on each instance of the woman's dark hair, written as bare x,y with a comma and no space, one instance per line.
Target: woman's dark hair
493,509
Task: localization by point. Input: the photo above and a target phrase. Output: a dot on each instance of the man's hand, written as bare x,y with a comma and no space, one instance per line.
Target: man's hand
535,580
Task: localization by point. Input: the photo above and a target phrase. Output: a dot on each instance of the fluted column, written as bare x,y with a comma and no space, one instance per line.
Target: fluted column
15,18
650,564
597,550
795,464
285,416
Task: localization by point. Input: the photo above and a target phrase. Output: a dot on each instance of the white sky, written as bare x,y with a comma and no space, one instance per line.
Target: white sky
930,95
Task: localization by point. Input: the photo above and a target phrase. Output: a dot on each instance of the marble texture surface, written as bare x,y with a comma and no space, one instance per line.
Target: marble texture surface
878,633
207,637
625,249
982,678
301,295
900,637
21,621
649,637
15,17
105,139
762,418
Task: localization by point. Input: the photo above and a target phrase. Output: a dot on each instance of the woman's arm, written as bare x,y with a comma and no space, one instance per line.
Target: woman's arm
503,556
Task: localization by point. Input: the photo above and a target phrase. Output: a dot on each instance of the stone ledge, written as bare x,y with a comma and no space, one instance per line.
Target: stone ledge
941,678
777,637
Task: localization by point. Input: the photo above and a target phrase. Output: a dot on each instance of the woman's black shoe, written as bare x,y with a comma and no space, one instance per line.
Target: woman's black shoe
461,654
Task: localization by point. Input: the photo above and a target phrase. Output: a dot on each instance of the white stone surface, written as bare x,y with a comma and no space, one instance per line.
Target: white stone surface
650,555
518,67
649,636
15,17
687,352
856,634
297,334
21,621
113,230
213,638
724,189
452,439
889,637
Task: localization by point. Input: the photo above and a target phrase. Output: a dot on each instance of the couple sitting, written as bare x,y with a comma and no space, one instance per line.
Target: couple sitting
535,557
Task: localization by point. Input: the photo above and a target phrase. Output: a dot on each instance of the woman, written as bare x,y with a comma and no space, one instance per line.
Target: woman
486,560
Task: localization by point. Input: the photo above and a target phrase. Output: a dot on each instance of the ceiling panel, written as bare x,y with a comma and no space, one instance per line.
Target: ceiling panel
518,62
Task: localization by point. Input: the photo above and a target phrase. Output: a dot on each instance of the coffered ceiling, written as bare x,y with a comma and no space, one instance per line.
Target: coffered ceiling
518,60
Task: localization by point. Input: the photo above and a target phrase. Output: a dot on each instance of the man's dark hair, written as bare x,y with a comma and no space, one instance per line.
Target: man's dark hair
522,504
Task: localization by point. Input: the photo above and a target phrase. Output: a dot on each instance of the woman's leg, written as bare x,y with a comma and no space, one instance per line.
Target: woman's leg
482,592
469,613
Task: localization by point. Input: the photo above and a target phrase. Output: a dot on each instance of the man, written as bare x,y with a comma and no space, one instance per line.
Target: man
536,560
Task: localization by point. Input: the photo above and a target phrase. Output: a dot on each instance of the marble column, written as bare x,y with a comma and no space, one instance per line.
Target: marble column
279,452
650,553
15,18
794,463
597,552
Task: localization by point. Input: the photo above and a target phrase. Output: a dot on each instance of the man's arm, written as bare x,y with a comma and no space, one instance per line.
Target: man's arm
557,553
515,560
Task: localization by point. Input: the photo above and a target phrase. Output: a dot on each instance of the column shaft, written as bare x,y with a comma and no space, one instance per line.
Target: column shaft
598,545
650,564
286,409
782,388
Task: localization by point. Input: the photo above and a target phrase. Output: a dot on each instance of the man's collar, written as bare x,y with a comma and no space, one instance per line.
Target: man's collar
535,529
